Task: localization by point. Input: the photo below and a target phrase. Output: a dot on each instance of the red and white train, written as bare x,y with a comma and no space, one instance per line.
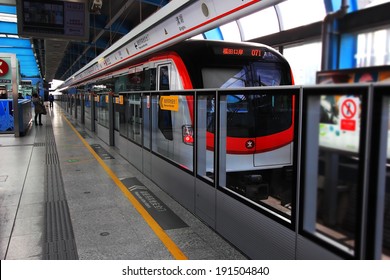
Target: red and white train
259,127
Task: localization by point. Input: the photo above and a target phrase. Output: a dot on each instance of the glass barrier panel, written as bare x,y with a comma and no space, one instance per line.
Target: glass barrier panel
146,101
78,107
172,128
257,144
122,115
206,120
333,167
118,108
87,112
134,117
102,105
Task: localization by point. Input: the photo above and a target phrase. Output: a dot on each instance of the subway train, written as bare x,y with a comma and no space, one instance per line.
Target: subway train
259,132
221,128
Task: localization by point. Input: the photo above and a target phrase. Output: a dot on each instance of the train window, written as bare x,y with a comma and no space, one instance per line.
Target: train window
164,116
165,123
172,128
332,169
253,74
164,78
257,148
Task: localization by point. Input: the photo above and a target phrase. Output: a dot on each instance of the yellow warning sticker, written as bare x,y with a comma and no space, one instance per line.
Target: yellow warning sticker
169,103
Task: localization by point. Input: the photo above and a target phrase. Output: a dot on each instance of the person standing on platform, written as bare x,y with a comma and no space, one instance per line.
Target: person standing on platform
51,99
39,108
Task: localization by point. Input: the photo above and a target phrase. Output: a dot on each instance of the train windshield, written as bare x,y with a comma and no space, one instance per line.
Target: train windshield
250,75
251,115
255,115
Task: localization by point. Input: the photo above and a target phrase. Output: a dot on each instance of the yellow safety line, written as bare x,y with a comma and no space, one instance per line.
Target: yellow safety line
165,239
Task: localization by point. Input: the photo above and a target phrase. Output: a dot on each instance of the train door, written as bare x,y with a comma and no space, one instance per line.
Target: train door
162,138
146,109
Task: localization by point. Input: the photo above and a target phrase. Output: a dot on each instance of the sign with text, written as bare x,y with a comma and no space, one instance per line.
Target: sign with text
169,103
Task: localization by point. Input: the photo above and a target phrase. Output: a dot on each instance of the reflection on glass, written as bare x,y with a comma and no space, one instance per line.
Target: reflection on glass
78,107
102,107
87,103
206,136
134,117
338,170
172,128
259,149
372,49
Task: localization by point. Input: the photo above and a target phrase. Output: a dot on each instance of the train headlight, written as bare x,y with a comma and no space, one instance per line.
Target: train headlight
188,134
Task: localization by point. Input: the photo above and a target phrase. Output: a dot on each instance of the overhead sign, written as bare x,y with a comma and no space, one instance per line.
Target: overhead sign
170,103
4,68
58,19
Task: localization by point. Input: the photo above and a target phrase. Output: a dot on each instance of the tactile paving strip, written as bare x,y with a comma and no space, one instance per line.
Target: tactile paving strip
59,243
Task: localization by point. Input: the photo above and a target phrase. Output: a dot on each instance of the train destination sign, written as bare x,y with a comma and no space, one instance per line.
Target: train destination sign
169,103
231,51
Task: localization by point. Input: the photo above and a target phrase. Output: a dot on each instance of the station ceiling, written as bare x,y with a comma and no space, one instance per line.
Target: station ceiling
58,59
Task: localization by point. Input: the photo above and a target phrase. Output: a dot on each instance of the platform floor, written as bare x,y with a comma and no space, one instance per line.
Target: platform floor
60,200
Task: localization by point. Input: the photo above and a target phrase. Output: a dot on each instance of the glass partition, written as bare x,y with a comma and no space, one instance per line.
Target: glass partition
78,106
102,109
172,128
87,101
333,168
256,146
206,121
130,116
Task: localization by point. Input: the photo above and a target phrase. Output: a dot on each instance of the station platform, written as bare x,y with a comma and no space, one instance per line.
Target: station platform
65,194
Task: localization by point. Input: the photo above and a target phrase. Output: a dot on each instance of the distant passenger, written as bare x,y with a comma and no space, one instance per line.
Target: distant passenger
39,108
51,99
3,94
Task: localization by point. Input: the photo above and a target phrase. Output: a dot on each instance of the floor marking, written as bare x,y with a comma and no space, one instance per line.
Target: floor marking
167,219
161,234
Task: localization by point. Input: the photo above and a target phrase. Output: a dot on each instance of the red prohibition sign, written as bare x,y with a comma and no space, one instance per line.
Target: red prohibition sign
348,108
3,67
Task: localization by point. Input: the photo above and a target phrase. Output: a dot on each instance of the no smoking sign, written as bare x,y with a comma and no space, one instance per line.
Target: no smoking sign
348,113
